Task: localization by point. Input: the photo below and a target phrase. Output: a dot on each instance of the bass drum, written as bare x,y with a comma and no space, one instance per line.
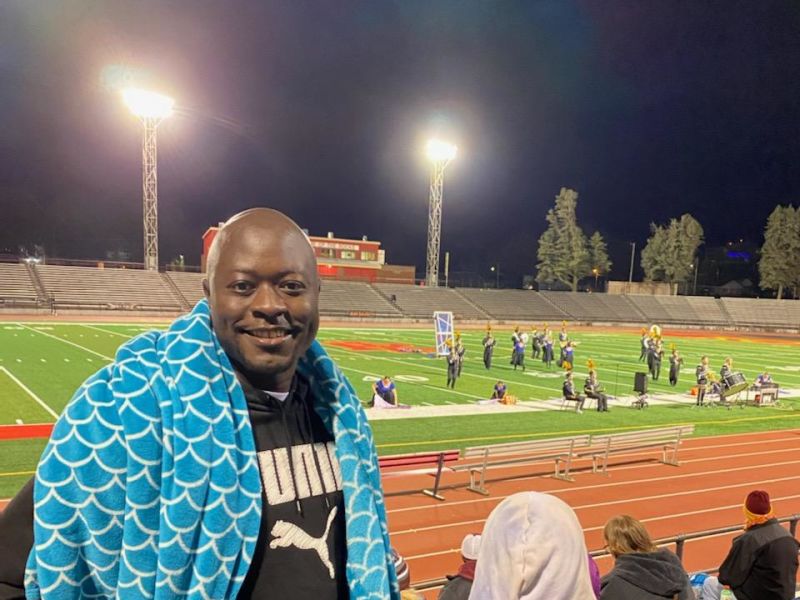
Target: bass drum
733,383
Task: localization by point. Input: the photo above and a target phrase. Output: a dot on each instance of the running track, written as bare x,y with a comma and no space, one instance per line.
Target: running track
705,492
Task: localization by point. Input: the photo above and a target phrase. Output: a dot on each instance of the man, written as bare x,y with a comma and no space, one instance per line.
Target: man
644,345
452,367
537,342
461,350
386,390
593,389
488,349
499,391
701,374
202,462
570,394
675,362
762,562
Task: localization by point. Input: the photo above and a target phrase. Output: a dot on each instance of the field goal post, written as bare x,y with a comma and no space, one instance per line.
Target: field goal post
445,332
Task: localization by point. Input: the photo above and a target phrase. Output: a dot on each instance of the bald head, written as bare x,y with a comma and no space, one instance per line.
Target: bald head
253,222
263,292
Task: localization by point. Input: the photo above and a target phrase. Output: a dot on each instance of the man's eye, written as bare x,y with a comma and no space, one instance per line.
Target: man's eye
293,286
242,286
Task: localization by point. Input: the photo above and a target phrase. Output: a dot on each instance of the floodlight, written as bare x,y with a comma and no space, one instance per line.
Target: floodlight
146,104
437,150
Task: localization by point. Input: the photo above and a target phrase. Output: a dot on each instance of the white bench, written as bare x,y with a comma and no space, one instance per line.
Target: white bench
560,450
668,439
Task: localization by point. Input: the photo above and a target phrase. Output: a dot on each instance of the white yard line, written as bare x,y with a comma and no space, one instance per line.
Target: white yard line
28,391
55,337
127,337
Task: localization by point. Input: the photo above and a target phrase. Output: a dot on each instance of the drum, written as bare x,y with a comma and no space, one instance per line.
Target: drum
733,383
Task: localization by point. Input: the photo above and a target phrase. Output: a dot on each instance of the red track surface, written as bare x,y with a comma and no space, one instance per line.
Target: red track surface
22,432
705,492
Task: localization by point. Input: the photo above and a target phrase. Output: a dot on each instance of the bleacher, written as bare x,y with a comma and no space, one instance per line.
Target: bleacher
422,302
709,310
190,285
764,312
16,286
594,307
116,289
354,299
513,304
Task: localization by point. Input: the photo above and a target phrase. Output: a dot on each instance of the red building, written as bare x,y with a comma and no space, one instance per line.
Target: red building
337,258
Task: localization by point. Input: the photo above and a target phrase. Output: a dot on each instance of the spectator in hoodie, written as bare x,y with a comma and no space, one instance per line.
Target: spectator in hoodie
532,548
762,562
459,585
641,571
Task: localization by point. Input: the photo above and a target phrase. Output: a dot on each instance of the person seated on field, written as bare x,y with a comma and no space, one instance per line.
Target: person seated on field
570,394
499,391
764,379
641,571
385,389
762,562
532,548
458,586
594,389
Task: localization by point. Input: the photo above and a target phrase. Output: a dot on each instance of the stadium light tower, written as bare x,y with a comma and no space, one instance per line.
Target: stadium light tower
440,154
151,108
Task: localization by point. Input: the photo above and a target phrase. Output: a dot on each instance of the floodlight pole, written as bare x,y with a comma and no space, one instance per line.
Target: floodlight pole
435,221
150,192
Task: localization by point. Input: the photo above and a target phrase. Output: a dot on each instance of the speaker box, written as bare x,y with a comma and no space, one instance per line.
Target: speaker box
640,383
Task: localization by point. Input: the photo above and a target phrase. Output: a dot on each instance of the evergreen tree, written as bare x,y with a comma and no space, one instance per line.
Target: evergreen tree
598,254
779,266
671,250
564,253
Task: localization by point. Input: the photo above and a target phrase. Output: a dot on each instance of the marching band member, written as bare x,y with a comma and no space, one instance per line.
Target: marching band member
488,348
594,389
571,394
514,341
675,362
452,366
537,341
702,373
726,369
547,354
460,351
499,391
563,338
645,345
655,358
568,359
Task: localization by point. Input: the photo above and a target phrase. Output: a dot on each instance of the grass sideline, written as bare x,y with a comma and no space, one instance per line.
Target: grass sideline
51,359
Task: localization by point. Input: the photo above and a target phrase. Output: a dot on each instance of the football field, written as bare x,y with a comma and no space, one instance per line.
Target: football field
42,363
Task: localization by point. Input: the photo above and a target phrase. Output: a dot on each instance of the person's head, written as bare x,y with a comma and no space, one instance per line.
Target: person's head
568,376
470,546
499,383
623,534
263,291
386,379
532,547
728,361
704,360
592,373
757,508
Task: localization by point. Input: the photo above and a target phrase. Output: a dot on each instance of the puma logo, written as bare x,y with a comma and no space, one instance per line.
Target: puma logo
289,534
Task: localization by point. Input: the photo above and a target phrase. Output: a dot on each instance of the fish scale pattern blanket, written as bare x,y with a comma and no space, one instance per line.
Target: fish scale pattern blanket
149,486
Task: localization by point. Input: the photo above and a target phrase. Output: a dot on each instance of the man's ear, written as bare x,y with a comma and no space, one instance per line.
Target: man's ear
206,289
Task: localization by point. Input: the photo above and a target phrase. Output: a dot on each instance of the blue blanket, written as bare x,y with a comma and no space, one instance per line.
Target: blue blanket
149,486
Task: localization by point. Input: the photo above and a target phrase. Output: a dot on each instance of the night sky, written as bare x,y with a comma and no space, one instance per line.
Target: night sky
647,108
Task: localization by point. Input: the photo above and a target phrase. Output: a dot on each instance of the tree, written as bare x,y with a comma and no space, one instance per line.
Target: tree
671,250
779,266
564,253
598,254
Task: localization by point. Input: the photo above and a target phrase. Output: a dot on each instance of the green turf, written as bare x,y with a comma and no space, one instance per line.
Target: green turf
51,360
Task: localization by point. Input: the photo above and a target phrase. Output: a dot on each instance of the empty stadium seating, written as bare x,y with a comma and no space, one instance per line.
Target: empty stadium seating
763,312
125,289
422,302
190,285
513,304
355,299
16,286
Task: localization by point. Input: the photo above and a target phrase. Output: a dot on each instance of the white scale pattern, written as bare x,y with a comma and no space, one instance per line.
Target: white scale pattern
149,486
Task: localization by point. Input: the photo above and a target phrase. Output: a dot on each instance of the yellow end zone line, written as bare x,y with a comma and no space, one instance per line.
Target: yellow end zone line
17,473
580,431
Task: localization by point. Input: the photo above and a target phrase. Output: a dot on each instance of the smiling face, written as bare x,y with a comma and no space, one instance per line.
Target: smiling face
263,292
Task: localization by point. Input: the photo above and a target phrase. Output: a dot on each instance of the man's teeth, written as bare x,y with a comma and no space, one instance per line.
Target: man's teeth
269,333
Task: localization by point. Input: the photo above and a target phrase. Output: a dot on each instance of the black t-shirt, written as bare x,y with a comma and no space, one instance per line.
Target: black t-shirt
301,550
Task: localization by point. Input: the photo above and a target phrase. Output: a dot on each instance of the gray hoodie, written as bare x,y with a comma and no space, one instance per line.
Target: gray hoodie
646,576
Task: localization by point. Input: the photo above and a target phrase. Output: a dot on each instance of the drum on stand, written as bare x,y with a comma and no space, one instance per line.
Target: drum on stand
732,384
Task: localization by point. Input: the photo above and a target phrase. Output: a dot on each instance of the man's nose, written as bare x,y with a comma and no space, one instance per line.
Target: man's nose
268,301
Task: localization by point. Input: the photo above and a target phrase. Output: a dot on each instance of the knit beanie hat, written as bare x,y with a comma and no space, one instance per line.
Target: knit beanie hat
757,508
